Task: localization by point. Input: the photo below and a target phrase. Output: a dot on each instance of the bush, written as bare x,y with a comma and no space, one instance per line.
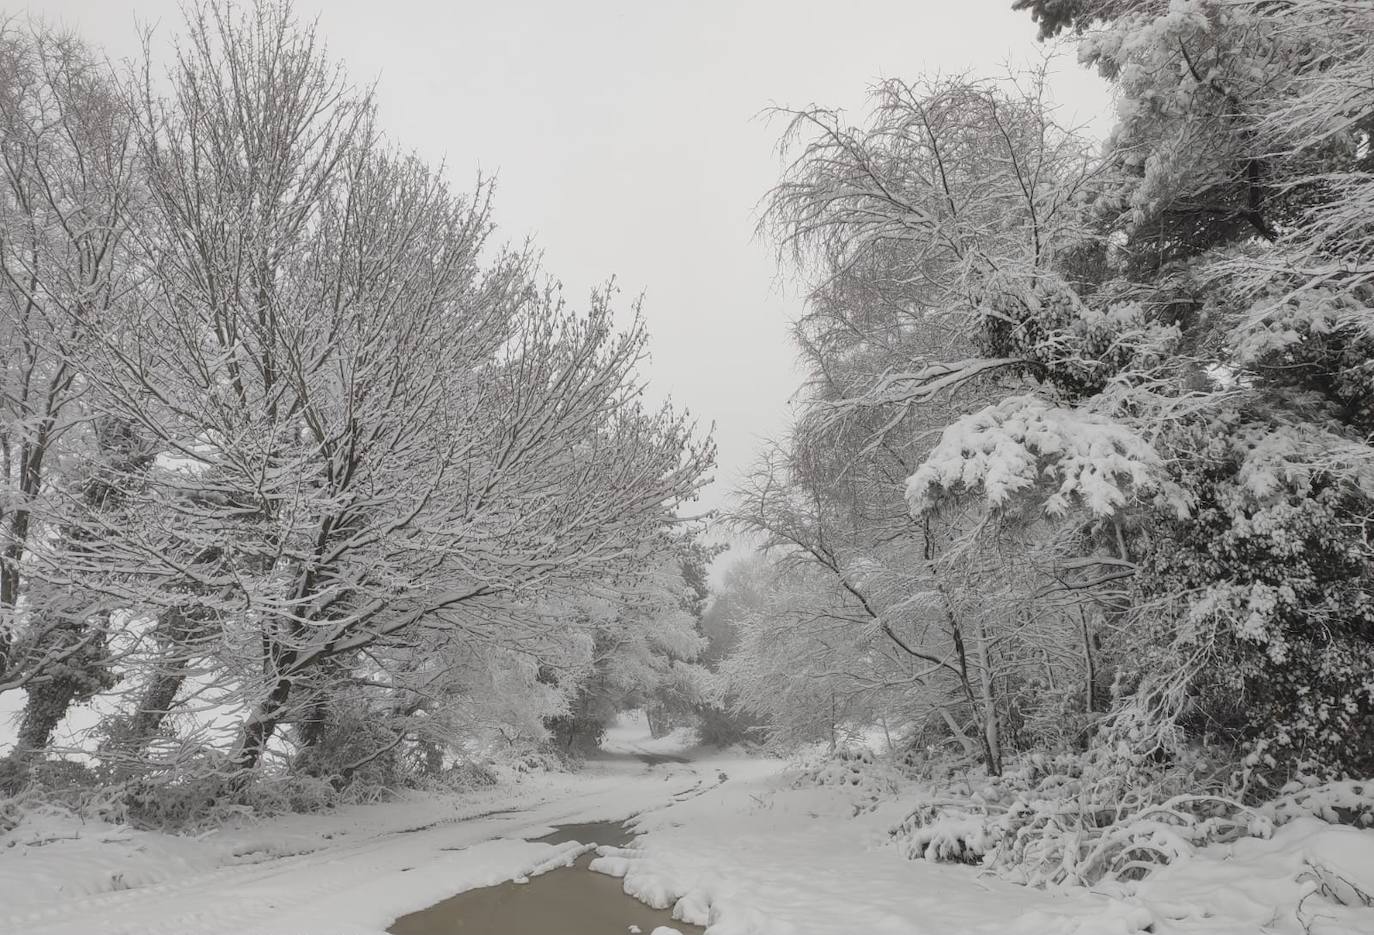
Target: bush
1105,814
868,777
723,727
1269,583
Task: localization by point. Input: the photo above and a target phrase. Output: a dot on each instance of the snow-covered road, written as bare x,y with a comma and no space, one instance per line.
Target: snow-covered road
726,841
350,872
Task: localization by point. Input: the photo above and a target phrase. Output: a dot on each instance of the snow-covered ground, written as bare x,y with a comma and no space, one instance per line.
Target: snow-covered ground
728,841
756,856
353,870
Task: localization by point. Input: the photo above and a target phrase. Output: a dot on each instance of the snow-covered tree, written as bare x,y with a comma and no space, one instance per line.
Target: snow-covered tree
377,430
1164,345
69,194
302,467
643,643
1234,184
937,240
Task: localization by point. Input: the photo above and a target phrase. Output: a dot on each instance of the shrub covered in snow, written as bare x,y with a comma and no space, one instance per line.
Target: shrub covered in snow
1104,815
1264,594
869,778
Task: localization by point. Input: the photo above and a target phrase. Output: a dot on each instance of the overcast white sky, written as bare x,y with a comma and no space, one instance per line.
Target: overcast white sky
626,139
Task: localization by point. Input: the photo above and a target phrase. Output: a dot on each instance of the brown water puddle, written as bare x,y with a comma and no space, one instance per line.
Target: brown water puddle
567,901
610,833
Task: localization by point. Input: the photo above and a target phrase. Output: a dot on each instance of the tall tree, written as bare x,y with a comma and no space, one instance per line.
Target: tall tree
929,235
371,424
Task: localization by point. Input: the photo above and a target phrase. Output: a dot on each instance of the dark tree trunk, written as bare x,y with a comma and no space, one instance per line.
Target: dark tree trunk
174,630
153,708
1089,664
259,728
991,759
78,674
49,699
75,640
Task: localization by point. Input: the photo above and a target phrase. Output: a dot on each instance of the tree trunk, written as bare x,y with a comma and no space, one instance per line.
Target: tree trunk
78,673
987,732
174,628
153,707
9,595
834,728
970,748
1089,665
49,699
984,708
76,640
260,727
31,456
992,730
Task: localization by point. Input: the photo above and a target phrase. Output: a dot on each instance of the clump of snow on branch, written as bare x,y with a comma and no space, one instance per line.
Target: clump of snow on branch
1024,445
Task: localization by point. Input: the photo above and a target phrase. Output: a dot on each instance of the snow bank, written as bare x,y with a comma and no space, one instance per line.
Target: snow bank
762,854
793,852
1307,878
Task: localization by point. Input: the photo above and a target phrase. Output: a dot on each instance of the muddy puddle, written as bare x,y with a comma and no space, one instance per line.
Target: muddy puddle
567,901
